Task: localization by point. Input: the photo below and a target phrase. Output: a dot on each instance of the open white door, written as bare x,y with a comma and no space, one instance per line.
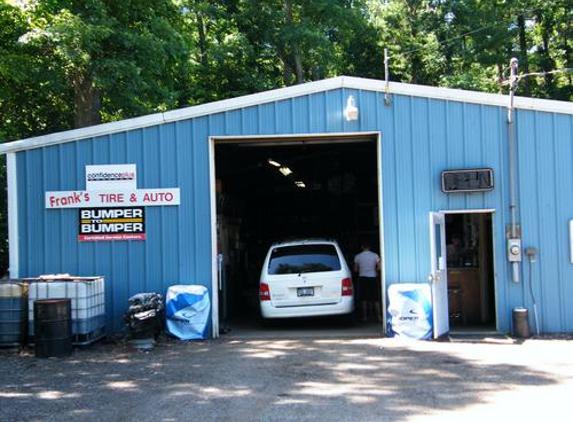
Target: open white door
439,275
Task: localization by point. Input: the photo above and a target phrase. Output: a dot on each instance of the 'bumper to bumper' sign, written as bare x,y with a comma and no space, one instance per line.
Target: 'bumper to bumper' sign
105,224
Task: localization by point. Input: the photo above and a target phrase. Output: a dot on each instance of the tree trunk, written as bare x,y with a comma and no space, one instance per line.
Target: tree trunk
297,61
202,39
546,61
415,59
500,76
523,62
287,70
87,101
568,58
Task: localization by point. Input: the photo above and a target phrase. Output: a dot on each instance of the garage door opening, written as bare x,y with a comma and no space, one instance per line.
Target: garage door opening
274,190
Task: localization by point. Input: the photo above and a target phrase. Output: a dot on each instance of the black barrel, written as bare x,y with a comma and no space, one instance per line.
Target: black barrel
520,323
53,327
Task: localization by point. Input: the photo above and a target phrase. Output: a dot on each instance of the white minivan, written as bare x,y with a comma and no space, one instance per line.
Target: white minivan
305,278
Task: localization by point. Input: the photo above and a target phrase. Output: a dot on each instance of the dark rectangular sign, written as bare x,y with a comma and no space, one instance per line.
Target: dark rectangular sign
109,224
469,180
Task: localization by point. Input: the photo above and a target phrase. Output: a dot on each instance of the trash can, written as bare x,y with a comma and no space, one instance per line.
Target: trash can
520,323
53,327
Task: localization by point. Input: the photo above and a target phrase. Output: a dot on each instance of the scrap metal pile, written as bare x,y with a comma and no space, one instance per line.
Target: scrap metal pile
145,315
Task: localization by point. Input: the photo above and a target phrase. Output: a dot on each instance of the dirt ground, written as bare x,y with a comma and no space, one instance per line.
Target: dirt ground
330,379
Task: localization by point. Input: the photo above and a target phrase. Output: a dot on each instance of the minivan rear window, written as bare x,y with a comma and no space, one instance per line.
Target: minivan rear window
303,259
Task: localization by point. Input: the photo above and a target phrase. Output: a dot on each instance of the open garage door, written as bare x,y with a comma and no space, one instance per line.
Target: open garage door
281,189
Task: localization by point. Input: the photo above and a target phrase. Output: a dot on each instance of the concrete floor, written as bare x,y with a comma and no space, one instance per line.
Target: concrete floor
294,379
301,328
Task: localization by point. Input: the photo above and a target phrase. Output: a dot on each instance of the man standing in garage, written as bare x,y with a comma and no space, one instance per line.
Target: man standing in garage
367,265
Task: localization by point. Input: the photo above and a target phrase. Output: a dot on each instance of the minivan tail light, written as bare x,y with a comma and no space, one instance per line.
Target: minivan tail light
264,292
347,287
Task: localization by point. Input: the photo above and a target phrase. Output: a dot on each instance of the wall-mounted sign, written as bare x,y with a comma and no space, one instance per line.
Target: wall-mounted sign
111,177
467,180
105,224
100,199
111,207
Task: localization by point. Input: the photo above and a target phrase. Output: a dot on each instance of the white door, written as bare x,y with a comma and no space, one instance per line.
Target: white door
439,275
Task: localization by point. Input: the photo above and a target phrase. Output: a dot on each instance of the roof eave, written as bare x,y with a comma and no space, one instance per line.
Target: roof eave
222,106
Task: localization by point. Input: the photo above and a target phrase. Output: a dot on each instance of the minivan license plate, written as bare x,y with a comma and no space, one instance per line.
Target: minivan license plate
305,291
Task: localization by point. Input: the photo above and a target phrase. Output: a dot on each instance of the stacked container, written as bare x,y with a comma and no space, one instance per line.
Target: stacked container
12,312
87,295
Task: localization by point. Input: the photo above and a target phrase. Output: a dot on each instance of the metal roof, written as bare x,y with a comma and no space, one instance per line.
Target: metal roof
347,82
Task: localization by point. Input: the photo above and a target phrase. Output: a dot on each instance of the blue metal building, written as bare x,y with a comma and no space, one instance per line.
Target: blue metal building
422,132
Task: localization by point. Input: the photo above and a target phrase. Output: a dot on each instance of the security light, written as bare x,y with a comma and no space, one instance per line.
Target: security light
351,110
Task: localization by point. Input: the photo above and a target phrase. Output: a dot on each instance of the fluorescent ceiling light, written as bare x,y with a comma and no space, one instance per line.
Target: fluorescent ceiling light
285,171
273,162
300,184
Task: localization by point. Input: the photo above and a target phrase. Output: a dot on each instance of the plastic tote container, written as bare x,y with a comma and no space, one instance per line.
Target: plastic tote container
87,296
187,310
410,311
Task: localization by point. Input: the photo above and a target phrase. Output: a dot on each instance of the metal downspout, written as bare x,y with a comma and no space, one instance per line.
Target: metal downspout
511,134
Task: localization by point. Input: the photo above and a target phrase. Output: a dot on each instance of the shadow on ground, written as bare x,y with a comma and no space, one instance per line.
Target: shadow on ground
302,379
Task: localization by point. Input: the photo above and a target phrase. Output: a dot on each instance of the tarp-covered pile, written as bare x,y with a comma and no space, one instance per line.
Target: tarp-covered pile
187,311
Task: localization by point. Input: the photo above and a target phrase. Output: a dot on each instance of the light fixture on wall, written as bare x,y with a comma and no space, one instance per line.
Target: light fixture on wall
351,110
273,162
300,184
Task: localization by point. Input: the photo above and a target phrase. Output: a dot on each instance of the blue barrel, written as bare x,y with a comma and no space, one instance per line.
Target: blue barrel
53,327
13,313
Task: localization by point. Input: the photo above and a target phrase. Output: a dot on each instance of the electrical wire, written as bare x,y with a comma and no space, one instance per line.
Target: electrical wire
567,69
452,39
550,72
533,297
483,28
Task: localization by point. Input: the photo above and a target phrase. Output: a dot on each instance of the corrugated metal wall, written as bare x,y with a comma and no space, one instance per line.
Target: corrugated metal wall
420,138
545,150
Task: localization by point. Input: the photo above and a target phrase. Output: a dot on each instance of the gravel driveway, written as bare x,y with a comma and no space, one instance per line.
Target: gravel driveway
332,379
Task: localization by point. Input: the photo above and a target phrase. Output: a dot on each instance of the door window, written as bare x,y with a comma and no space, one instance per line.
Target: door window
438,243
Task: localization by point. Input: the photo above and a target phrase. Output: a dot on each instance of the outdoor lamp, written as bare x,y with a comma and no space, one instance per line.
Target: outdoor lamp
351,111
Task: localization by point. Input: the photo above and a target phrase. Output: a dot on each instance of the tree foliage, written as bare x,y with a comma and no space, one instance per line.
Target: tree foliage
71,63
118,58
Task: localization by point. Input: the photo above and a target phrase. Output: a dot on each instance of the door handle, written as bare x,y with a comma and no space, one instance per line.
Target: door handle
434,278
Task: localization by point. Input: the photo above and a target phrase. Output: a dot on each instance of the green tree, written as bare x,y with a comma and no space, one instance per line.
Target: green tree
119,58
33,93
245,46
410,30
468,43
